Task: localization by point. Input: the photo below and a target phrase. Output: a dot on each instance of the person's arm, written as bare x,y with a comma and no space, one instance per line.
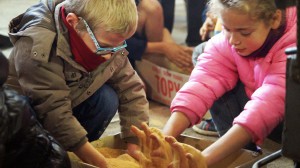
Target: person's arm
235,139
176,124
207,27
179,55
160,47
136,47
88,154
167,37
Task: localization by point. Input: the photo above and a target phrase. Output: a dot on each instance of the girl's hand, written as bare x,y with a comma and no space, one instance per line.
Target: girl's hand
155,152
143,154
185,155
160,151
134,151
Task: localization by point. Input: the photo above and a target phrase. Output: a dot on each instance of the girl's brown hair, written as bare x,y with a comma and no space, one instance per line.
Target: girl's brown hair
257,9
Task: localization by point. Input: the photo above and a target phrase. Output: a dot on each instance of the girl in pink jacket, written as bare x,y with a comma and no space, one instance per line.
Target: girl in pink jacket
240,77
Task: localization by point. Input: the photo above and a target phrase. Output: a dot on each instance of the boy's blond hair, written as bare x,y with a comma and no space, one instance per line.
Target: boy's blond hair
115,16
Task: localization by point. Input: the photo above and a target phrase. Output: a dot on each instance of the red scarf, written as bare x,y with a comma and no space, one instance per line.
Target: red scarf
82,54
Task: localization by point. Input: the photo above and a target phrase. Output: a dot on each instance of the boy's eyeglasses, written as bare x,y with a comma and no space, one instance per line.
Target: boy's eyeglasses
100,50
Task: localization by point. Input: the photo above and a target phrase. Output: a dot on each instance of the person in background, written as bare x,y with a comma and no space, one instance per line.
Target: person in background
210,27
240,77
194,20
152,37
168,7
69,59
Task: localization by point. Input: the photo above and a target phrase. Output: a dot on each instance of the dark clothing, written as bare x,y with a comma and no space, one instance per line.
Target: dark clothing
137,2
169,12
195,20
136,46
97,111
229,106
196,10
23,141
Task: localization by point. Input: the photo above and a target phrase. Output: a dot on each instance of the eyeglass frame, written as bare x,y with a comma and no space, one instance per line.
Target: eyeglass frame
101,50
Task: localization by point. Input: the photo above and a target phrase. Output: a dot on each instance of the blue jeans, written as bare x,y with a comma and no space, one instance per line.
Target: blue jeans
229,106
97,111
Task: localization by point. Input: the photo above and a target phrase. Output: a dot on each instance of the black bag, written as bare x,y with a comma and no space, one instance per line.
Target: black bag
23,141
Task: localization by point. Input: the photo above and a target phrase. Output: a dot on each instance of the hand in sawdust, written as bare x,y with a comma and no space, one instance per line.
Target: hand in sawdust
155,152
158,151
185,155
133,150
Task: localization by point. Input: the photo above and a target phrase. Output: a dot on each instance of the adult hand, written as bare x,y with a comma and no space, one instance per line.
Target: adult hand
179,55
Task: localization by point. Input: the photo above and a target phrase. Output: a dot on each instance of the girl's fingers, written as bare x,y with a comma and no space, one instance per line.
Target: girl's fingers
157,142
180,155
191,160
170,139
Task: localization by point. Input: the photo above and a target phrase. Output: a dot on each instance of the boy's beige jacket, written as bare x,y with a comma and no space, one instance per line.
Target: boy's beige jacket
42,68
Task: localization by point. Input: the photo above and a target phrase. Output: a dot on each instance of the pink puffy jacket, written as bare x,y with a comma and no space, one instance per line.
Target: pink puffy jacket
218,70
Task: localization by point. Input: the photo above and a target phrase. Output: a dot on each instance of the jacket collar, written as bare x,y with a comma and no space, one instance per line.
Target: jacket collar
63,48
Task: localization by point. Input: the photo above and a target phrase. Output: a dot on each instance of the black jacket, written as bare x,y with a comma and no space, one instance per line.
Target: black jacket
23,141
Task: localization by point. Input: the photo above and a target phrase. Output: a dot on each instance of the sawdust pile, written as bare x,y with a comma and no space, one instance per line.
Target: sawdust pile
116,158
122,161
152,140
